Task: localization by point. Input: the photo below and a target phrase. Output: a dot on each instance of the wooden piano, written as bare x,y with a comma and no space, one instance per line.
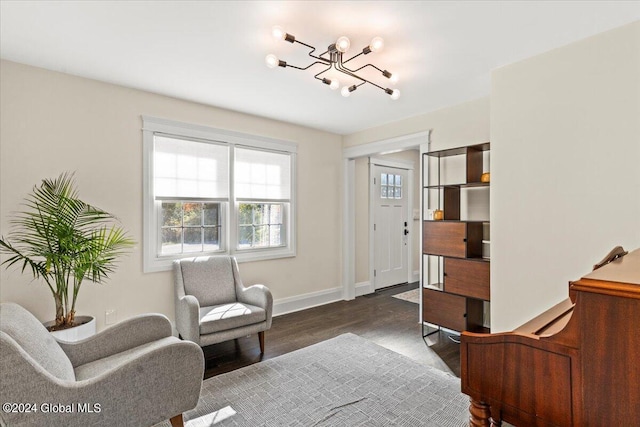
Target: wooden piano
577,364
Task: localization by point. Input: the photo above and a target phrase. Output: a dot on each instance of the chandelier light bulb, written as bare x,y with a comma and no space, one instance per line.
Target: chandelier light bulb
394,78
278,32
342,44
271,60
335,84
377,43
395,94
345,91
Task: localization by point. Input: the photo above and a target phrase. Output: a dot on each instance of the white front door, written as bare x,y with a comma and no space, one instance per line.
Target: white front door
390,226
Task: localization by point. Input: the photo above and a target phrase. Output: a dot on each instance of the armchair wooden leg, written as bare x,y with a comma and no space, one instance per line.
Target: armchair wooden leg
261,338
177,421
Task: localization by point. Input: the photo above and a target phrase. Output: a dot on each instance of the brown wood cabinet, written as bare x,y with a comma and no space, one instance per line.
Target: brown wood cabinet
469,278
456,301
452,311
452,238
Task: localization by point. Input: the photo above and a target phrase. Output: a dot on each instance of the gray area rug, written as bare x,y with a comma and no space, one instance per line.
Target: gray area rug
411,296
344,381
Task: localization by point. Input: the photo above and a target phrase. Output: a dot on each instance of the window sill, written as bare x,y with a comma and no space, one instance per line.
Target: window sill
166,263
263,255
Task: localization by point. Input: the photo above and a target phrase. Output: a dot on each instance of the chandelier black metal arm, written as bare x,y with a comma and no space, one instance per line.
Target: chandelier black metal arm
301,68
347,71
354,57
365,66
385,73
321,72
335,61
313,49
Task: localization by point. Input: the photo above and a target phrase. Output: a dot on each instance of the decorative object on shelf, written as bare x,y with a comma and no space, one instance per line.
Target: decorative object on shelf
485,177
332,58
63,241
438,215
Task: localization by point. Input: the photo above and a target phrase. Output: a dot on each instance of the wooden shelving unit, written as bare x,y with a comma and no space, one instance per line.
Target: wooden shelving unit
456,300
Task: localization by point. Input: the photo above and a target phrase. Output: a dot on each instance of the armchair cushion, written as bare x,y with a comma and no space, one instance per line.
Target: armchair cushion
216,272
229,316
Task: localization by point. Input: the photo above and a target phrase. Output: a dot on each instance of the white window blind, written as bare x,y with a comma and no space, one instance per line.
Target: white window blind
262,175
185,169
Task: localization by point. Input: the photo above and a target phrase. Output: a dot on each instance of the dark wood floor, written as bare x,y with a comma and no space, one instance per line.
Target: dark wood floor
387,321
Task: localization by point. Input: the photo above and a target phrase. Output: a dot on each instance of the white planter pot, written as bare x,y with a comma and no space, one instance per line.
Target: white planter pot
85,329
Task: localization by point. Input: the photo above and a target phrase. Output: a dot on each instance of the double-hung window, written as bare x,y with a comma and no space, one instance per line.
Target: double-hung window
209,192
263,195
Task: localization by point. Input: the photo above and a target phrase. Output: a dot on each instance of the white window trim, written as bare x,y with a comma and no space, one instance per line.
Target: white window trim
151,125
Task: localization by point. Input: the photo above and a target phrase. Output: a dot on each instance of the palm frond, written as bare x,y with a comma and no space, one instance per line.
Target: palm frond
61,238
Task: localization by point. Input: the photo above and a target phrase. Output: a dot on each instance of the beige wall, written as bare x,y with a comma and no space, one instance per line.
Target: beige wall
565,179
462,124
53,122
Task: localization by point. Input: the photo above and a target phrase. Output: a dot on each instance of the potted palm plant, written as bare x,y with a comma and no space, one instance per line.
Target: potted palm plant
63,241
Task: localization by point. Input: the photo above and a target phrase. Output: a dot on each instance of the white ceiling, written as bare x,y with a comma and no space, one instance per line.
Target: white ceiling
213,52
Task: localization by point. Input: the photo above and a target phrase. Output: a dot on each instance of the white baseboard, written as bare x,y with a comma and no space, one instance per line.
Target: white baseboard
363,288
302,302
315,299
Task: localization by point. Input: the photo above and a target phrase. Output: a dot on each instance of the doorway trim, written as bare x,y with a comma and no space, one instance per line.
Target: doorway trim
419,140
398,164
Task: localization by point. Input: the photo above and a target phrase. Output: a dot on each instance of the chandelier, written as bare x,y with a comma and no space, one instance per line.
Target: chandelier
333,58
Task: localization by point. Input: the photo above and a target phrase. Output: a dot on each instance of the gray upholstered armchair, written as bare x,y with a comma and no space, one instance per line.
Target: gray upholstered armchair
213,306
132,374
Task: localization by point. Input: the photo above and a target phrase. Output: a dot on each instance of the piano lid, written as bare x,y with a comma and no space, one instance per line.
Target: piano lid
625,269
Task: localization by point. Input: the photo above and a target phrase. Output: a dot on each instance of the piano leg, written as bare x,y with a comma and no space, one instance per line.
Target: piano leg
480,415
